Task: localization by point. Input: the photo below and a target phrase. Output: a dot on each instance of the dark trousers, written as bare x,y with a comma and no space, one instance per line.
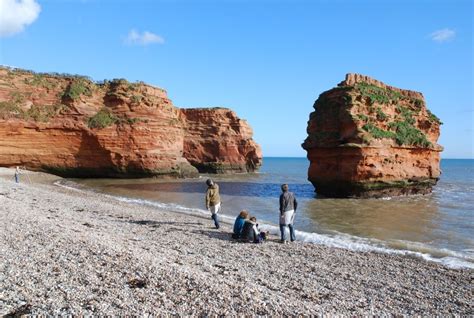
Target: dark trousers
283,232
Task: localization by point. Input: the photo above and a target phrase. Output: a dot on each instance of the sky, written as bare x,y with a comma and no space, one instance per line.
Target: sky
267,60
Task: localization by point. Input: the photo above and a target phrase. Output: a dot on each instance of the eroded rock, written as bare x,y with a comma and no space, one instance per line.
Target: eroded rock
71,126
368,139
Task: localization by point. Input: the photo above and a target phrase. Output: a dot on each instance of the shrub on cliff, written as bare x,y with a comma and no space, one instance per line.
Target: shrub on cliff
9,110
78,87
102,119
44,113
37,113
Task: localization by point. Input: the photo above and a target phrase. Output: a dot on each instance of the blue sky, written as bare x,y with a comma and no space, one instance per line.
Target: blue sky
267,60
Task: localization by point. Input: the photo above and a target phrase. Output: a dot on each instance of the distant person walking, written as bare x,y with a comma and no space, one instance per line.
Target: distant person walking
288,206
17,174
213,201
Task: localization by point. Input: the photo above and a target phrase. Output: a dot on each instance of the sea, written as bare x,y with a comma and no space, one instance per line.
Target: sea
438,227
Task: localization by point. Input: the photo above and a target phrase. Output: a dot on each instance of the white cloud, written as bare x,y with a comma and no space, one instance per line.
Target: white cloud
15,15
145,38
443,35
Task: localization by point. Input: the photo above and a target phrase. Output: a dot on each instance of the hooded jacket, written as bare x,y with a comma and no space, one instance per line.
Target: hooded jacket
238,226
212,196
250,232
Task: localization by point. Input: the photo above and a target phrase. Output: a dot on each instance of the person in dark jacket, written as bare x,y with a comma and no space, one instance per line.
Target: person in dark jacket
239,224
288,207
251,233
213,201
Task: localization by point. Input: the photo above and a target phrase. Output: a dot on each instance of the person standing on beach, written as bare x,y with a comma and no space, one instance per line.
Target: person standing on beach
17,174
213,201
288,206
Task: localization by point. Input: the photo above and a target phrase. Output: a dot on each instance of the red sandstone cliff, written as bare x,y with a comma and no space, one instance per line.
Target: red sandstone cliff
368,139
72,126
227,147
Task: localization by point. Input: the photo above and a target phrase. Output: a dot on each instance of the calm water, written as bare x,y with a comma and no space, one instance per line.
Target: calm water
439,226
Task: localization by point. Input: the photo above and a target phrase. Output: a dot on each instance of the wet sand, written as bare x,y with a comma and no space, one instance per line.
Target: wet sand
70,252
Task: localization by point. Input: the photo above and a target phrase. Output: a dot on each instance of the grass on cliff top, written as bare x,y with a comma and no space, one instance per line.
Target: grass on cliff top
39,80
384,95
43,80
104,118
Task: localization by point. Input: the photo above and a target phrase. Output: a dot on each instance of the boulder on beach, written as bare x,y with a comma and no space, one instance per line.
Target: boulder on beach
368,139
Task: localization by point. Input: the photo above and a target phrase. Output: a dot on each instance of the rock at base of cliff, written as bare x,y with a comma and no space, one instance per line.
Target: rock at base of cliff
181,170
225,168
378,189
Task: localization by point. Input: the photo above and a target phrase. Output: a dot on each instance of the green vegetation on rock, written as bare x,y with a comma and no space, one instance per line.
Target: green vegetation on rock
363,117
377,132
378,94
381,115
102,119
407,134
402,130
46,112
136,98
10,110
38,113
39,80
433,117
77,88
17,98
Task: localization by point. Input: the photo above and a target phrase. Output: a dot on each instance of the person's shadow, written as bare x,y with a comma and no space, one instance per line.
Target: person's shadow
224,236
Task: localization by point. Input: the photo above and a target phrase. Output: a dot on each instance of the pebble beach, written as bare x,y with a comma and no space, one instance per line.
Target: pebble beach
70,252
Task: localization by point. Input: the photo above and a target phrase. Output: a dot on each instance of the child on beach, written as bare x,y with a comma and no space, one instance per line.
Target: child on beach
251,232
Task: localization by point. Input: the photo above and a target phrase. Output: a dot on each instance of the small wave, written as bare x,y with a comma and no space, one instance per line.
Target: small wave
345,241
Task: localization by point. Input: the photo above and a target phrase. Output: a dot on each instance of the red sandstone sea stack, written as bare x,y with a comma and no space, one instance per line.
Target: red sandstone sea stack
368,139
72,126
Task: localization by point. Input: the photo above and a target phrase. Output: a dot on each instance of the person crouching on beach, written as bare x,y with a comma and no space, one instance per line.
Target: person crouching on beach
251,232
213,201
239,224
288,206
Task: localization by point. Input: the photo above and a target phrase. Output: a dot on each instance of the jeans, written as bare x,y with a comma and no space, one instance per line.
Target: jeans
17,178
283,232
215,217
214,209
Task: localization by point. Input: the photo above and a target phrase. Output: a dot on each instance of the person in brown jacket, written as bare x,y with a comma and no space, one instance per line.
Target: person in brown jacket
213,201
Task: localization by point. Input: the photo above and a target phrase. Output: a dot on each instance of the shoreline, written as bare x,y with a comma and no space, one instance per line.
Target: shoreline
67,252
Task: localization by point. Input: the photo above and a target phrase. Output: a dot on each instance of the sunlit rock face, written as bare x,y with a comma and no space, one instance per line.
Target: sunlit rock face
368,139
227,147
71,126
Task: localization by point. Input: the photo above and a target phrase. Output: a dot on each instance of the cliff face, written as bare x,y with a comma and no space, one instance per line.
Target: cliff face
226,147
71,126
368,139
